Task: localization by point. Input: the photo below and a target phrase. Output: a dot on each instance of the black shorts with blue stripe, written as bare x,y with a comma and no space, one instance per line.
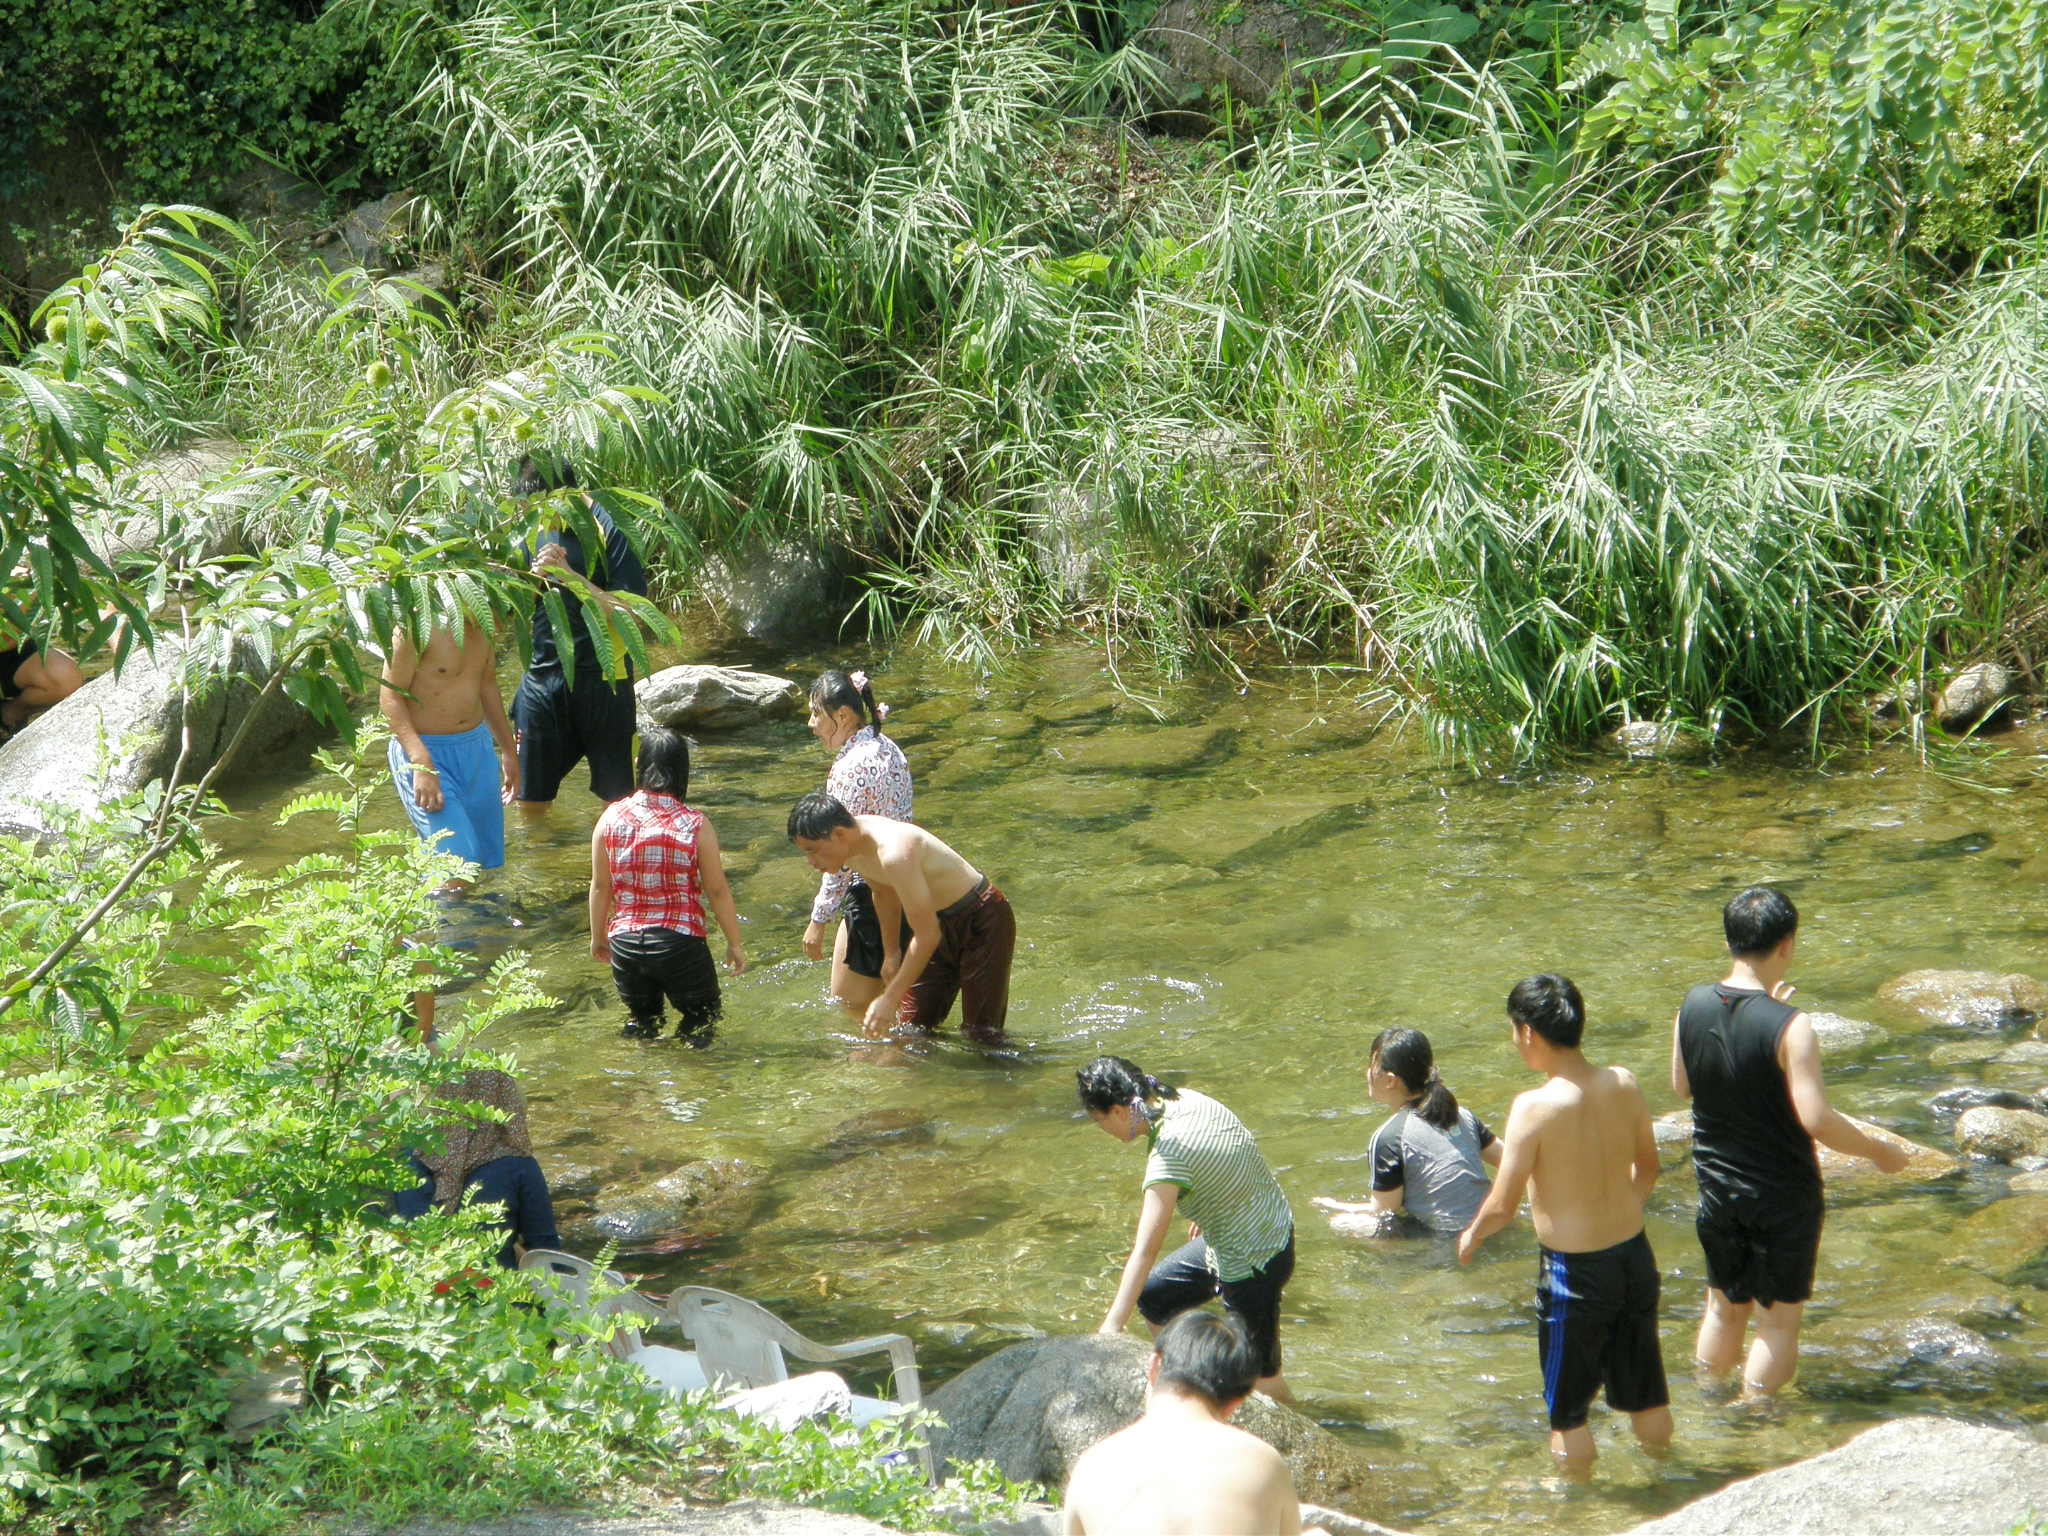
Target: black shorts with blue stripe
1596,1326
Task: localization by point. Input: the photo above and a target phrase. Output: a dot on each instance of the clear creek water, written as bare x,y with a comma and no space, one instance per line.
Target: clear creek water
1239,896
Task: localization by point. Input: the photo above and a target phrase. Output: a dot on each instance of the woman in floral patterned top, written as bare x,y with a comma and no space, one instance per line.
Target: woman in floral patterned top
870,778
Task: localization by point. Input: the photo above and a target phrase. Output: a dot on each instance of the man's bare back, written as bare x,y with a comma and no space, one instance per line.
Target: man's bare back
1181,1474
1589,1136
921,870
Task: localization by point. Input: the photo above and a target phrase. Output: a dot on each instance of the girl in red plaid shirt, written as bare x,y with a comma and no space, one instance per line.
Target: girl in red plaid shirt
654,867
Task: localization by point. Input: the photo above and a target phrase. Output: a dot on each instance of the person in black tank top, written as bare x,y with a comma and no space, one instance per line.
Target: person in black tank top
1750,1063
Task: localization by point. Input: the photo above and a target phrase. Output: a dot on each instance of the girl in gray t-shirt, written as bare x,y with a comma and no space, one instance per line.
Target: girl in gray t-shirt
1426,1157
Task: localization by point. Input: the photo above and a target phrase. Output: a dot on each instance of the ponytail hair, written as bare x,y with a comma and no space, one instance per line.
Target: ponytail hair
1108,1081
835,690
1406,1054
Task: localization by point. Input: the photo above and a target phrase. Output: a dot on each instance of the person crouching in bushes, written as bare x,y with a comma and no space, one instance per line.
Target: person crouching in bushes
654,867
1429,1157
486,1162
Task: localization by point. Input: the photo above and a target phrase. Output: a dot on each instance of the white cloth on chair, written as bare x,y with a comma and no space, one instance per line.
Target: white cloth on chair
786,1404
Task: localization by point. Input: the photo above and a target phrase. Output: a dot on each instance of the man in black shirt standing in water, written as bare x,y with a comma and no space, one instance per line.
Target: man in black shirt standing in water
558,724
1751,1065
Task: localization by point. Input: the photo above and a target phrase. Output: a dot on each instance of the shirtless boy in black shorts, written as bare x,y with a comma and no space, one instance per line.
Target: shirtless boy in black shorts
1582,1145
1751,1066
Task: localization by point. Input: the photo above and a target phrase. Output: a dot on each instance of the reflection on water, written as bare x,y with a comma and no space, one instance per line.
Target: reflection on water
1239,897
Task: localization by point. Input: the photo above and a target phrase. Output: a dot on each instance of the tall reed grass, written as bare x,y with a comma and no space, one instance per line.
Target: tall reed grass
1456,407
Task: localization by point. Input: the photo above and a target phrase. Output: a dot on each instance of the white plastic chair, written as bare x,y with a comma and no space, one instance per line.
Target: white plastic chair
742,1343
569,1279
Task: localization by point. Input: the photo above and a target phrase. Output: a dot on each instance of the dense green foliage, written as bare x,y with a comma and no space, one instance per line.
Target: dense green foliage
189,1197
1684,375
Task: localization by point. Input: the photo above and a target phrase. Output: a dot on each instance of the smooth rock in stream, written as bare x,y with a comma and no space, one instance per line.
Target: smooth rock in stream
123,729
699,1201
1967,999
1837,1033
2030,1183
1972,695
2003,1135
1035,1407
1911,1477
714,698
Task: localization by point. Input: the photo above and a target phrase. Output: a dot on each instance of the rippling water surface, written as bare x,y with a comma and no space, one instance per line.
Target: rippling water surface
1239,895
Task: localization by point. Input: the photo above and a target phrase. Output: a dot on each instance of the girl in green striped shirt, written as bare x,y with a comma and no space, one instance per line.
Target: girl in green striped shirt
1202,1161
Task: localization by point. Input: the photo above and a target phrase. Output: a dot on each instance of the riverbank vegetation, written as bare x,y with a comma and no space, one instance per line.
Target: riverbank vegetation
190,1202
1561,365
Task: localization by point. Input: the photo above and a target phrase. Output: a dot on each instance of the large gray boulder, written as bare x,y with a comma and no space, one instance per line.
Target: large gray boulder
1033,1409
779,591
1972,695
1967,999
714,698
125,728
163,502
1209,54
1912,1477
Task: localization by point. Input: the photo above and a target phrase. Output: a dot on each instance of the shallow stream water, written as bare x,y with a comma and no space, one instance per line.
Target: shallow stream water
1239,896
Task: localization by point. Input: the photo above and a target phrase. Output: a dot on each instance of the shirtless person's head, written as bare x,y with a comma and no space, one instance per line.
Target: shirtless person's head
1183,1468
1547,1012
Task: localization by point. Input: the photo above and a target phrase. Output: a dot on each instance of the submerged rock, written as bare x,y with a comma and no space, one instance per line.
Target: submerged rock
1912,1477
1659,739
2001,1239
1837,1033
1951,1102
684,1209
1922,1163
1967,999
714,698
879,1130
1035,1407
2004,1135
1936,1352
1973,694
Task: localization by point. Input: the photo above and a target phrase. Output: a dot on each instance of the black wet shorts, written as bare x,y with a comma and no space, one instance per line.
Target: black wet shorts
864,932
649,964
1761,1251
1596,1325
558,725
1183,1280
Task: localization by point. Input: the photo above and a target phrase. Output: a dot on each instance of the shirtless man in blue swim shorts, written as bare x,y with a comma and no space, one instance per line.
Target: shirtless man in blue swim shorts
452,753
1582,1146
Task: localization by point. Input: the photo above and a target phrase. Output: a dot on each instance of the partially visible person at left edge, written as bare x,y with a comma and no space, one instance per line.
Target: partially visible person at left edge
559,724
32,678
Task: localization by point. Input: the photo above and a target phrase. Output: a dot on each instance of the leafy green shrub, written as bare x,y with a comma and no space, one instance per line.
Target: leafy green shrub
1864,115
